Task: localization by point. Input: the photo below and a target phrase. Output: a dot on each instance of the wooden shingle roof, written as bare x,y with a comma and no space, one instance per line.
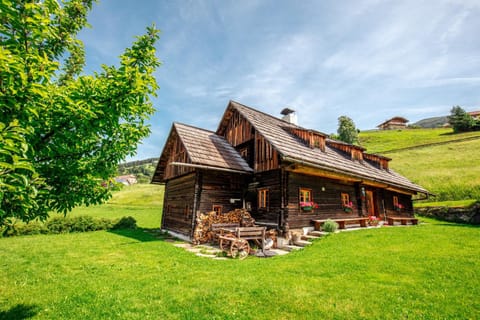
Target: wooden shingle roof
291,149
204,147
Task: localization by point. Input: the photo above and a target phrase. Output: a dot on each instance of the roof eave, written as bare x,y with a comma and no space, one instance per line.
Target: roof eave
354,175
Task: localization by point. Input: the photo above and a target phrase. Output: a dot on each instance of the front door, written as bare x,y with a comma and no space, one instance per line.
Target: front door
370,203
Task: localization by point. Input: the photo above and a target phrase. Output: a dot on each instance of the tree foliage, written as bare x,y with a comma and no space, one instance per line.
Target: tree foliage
347,132
62,132
460,120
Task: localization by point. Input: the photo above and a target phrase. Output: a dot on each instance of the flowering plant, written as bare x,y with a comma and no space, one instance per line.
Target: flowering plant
308,205
348,207
373,220
398,207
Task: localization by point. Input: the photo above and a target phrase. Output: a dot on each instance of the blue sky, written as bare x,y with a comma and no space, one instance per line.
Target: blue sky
369,60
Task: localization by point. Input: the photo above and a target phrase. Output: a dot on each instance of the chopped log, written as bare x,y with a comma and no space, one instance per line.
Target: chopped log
203,232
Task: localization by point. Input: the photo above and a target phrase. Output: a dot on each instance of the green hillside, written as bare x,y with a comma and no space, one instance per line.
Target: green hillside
446,164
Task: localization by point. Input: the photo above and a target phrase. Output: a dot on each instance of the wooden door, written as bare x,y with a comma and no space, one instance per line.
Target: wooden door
370,203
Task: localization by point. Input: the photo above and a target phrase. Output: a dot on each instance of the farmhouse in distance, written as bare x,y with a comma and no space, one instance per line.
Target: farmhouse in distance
394,123
287,176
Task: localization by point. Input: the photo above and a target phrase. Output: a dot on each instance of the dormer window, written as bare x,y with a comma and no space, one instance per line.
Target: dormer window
313,139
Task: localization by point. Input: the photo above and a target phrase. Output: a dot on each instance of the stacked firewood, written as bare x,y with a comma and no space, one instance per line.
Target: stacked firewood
203,227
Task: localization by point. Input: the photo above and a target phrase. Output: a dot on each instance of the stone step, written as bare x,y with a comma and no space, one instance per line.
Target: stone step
302,243
290,248
317,233
309,237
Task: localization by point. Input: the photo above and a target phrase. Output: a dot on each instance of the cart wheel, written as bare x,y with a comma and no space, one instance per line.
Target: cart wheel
240,249
224,244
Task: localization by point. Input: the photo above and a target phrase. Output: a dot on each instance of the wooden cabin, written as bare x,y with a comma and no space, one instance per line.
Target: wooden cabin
393,124
284,174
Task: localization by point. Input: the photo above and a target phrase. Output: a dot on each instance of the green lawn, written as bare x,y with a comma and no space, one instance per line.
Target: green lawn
381,141
428,271
141,201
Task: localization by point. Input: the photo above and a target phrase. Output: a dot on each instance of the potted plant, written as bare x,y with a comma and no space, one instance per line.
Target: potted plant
308,205
348,207
398,207
373,220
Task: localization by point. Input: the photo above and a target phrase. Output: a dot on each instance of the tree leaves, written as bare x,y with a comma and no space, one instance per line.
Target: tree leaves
68,131
347,132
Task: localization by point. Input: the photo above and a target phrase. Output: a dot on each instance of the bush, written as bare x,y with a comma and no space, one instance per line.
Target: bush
330,226
61,224
33,227
125,223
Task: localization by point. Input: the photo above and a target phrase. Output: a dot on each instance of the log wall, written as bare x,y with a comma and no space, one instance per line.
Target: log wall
266,156
270,180
178,207
238,130
217,188
404,199
325,192
177,153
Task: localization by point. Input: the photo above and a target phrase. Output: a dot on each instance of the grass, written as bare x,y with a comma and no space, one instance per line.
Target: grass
450,170
375,273
141,201
384,141
452,204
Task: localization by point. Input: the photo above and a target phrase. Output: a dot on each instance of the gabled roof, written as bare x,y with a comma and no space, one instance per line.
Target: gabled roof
291,149
204,149
394,121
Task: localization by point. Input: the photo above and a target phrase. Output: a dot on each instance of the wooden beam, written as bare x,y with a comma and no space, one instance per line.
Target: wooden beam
297,168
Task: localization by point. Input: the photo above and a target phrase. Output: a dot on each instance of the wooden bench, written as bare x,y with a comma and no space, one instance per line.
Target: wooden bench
403,220
341,222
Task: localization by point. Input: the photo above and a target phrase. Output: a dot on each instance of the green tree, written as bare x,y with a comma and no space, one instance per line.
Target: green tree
347,132
68,131
460,120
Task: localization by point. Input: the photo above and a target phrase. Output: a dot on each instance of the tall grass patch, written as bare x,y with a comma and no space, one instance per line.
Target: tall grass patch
450,171
380,141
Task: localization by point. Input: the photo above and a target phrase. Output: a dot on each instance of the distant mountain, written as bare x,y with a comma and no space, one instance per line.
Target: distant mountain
435,122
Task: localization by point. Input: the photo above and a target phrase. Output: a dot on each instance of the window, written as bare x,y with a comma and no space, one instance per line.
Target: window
346,200
244,153
217,208
395,201
305,195
263,198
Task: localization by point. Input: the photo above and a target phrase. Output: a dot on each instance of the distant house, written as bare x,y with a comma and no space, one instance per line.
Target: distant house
126,179
475,114
393,123
284,174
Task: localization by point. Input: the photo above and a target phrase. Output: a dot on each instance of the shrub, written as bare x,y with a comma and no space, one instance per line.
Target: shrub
60,224
330,226
125,223
33,227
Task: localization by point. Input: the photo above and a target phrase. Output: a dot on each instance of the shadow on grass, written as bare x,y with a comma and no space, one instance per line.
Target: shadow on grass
142,234
20,311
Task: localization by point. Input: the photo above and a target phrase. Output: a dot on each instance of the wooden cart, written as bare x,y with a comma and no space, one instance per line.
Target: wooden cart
235,241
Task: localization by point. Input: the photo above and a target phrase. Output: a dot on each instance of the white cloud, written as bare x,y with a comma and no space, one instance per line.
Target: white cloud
369,60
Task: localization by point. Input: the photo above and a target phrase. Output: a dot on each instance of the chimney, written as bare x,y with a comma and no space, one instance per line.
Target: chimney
290,116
